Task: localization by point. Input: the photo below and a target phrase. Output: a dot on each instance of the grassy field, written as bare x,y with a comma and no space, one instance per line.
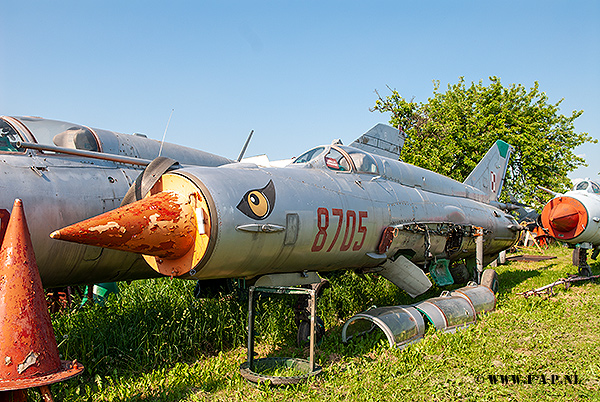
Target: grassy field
155,342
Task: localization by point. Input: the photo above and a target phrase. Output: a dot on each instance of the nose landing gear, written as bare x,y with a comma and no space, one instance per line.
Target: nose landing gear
302,316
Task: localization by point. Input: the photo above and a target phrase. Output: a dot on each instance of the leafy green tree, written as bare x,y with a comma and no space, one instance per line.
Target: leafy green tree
452,131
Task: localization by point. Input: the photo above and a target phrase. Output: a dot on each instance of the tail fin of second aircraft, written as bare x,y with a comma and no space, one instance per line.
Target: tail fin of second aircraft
382,140
488,175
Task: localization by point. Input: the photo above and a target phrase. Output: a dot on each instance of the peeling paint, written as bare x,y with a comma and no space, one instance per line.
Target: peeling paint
29,361
108,226
157,223
141,227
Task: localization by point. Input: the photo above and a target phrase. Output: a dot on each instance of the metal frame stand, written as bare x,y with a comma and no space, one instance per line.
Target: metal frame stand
284,290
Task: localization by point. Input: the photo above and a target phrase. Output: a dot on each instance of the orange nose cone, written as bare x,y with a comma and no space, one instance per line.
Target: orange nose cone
161,225
28,351
564,217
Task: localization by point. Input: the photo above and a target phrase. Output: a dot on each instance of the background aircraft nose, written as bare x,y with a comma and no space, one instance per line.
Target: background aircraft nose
564,217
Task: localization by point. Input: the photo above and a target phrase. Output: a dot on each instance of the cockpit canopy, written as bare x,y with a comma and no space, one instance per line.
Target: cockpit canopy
587,185
46,132
339,158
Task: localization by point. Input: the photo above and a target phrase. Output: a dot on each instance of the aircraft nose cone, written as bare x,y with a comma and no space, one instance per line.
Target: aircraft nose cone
171,228
564,217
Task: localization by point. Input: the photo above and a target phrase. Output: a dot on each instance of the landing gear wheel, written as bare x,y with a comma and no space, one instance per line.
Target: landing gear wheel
580,260
304,332
489,279
585,270
460,273
302,316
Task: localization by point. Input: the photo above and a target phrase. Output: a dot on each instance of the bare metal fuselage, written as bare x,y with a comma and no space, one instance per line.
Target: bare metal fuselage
323,220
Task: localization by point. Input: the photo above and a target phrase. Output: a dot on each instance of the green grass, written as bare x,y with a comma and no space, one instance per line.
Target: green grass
155,342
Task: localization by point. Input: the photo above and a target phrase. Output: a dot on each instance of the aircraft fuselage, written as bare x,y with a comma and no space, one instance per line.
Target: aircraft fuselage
326,211
324,220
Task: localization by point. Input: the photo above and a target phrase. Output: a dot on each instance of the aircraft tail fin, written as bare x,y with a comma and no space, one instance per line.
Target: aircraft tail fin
382,140
488,175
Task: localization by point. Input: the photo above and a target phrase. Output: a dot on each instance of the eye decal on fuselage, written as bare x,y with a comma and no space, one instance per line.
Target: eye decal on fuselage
258,204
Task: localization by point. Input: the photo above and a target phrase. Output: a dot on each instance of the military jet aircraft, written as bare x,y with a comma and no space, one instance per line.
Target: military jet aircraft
574,218
335,207
67,172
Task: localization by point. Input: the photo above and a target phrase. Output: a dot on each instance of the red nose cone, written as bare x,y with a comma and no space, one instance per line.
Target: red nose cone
565,218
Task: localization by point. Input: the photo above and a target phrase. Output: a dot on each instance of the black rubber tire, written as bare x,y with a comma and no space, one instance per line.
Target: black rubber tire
304,332
489,279
585,271
460,273
147,179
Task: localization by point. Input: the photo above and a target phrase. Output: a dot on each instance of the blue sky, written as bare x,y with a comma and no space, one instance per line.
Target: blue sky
299,73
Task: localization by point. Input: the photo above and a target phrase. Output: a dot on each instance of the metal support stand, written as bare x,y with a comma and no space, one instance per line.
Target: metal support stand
284,291
248,369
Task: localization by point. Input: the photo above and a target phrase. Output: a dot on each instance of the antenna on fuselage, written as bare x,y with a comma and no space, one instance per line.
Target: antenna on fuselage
245,146
165,133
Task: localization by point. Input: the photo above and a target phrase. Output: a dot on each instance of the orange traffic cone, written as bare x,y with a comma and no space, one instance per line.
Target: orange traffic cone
28,352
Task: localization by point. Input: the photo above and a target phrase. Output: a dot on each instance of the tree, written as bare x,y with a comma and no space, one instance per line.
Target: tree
452,131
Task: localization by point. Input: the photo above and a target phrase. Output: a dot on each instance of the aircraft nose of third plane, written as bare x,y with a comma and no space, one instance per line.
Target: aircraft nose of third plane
565,217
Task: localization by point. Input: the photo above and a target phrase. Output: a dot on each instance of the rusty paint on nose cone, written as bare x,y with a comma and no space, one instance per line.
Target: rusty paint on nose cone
161,225
28,351
564,217
171,228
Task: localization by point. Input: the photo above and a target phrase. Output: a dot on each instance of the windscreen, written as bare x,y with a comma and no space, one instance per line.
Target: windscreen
309,155
8,137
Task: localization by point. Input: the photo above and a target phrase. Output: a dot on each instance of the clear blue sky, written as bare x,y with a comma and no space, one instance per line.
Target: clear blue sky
300,73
